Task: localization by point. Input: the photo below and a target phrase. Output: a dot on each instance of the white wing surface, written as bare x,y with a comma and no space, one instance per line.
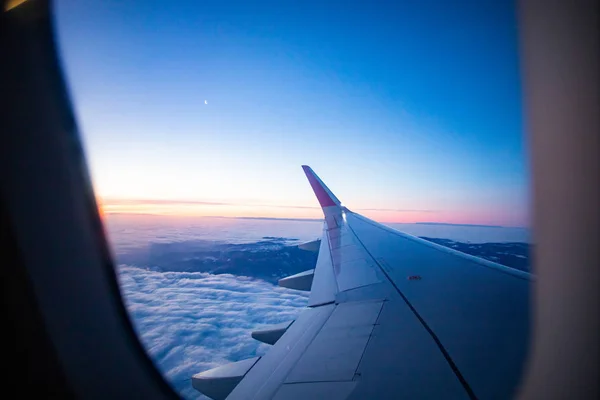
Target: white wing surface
389,316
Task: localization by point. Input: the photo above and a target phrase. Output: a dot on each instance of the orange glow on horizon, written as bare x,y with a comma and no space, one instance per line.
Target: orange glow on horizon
100,207
207,209
10,4
212,211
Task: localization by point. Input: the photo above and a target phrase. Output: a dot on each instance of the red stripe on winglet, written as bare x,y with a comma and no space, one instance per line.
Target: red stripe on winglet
319,190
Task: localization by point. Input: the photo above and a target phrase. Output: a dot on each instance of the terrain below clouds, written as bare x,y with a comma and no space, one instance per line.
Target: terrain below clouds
269,259
272,258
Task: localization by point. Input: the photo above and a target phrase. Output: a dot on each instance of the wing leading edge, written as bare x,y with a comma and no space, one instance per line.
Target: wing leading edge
371,331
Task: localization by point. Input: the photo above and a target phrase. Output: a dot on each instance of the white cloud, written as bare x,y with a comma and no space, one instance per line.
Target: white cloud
193,321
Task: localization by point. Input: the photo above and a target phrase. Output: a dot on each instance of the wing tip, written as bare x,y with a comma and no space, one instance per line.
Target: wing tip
325,197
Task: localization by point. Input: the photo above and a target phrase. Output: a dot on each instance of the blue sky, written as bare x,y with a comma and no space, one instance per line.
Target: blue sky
406,106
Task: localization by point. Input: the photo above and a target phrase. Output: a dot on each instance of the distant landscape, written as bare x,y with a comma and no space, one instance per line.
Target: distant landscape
272,258
511,254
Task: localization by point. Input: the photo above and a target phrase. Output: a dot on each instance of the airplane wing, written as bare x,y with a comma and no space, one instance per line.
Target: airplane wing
389,315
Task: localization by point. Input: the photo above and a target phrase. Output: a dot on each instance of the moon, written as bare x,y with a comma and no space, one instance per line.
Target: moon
205,102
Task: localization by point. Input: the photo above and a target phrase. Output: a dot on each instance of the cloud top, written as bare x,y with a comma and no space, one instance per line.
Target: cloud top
193,321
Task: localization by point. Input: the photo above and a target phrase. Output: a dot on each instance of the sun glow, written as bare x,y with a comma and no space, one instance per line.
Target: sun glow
207,209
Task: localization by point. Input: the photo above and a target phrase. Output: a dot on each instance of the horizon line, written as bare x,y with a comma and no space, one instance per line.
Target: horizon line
311,219
125,201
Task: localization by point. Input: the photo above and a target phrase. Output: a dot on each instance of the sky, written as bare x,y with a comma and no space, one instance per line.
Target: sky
409,111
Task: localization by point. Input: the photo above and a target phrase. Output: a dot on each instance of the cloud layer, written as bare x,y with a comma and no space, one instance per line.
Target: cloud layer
193,321
196,288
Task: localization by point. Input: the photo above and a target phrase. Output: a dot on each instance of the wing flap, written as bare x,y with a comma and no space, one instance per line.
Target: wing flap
335,352
265,378
271,334
218,382
300,281
312,246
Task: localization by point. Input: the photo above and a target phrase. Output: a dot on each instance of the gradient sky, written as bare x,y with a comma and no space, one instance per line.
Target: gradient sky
408,110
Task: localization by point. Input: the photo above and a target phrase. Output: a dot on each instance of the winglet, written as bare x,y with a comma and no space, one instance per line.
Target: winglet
324,195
